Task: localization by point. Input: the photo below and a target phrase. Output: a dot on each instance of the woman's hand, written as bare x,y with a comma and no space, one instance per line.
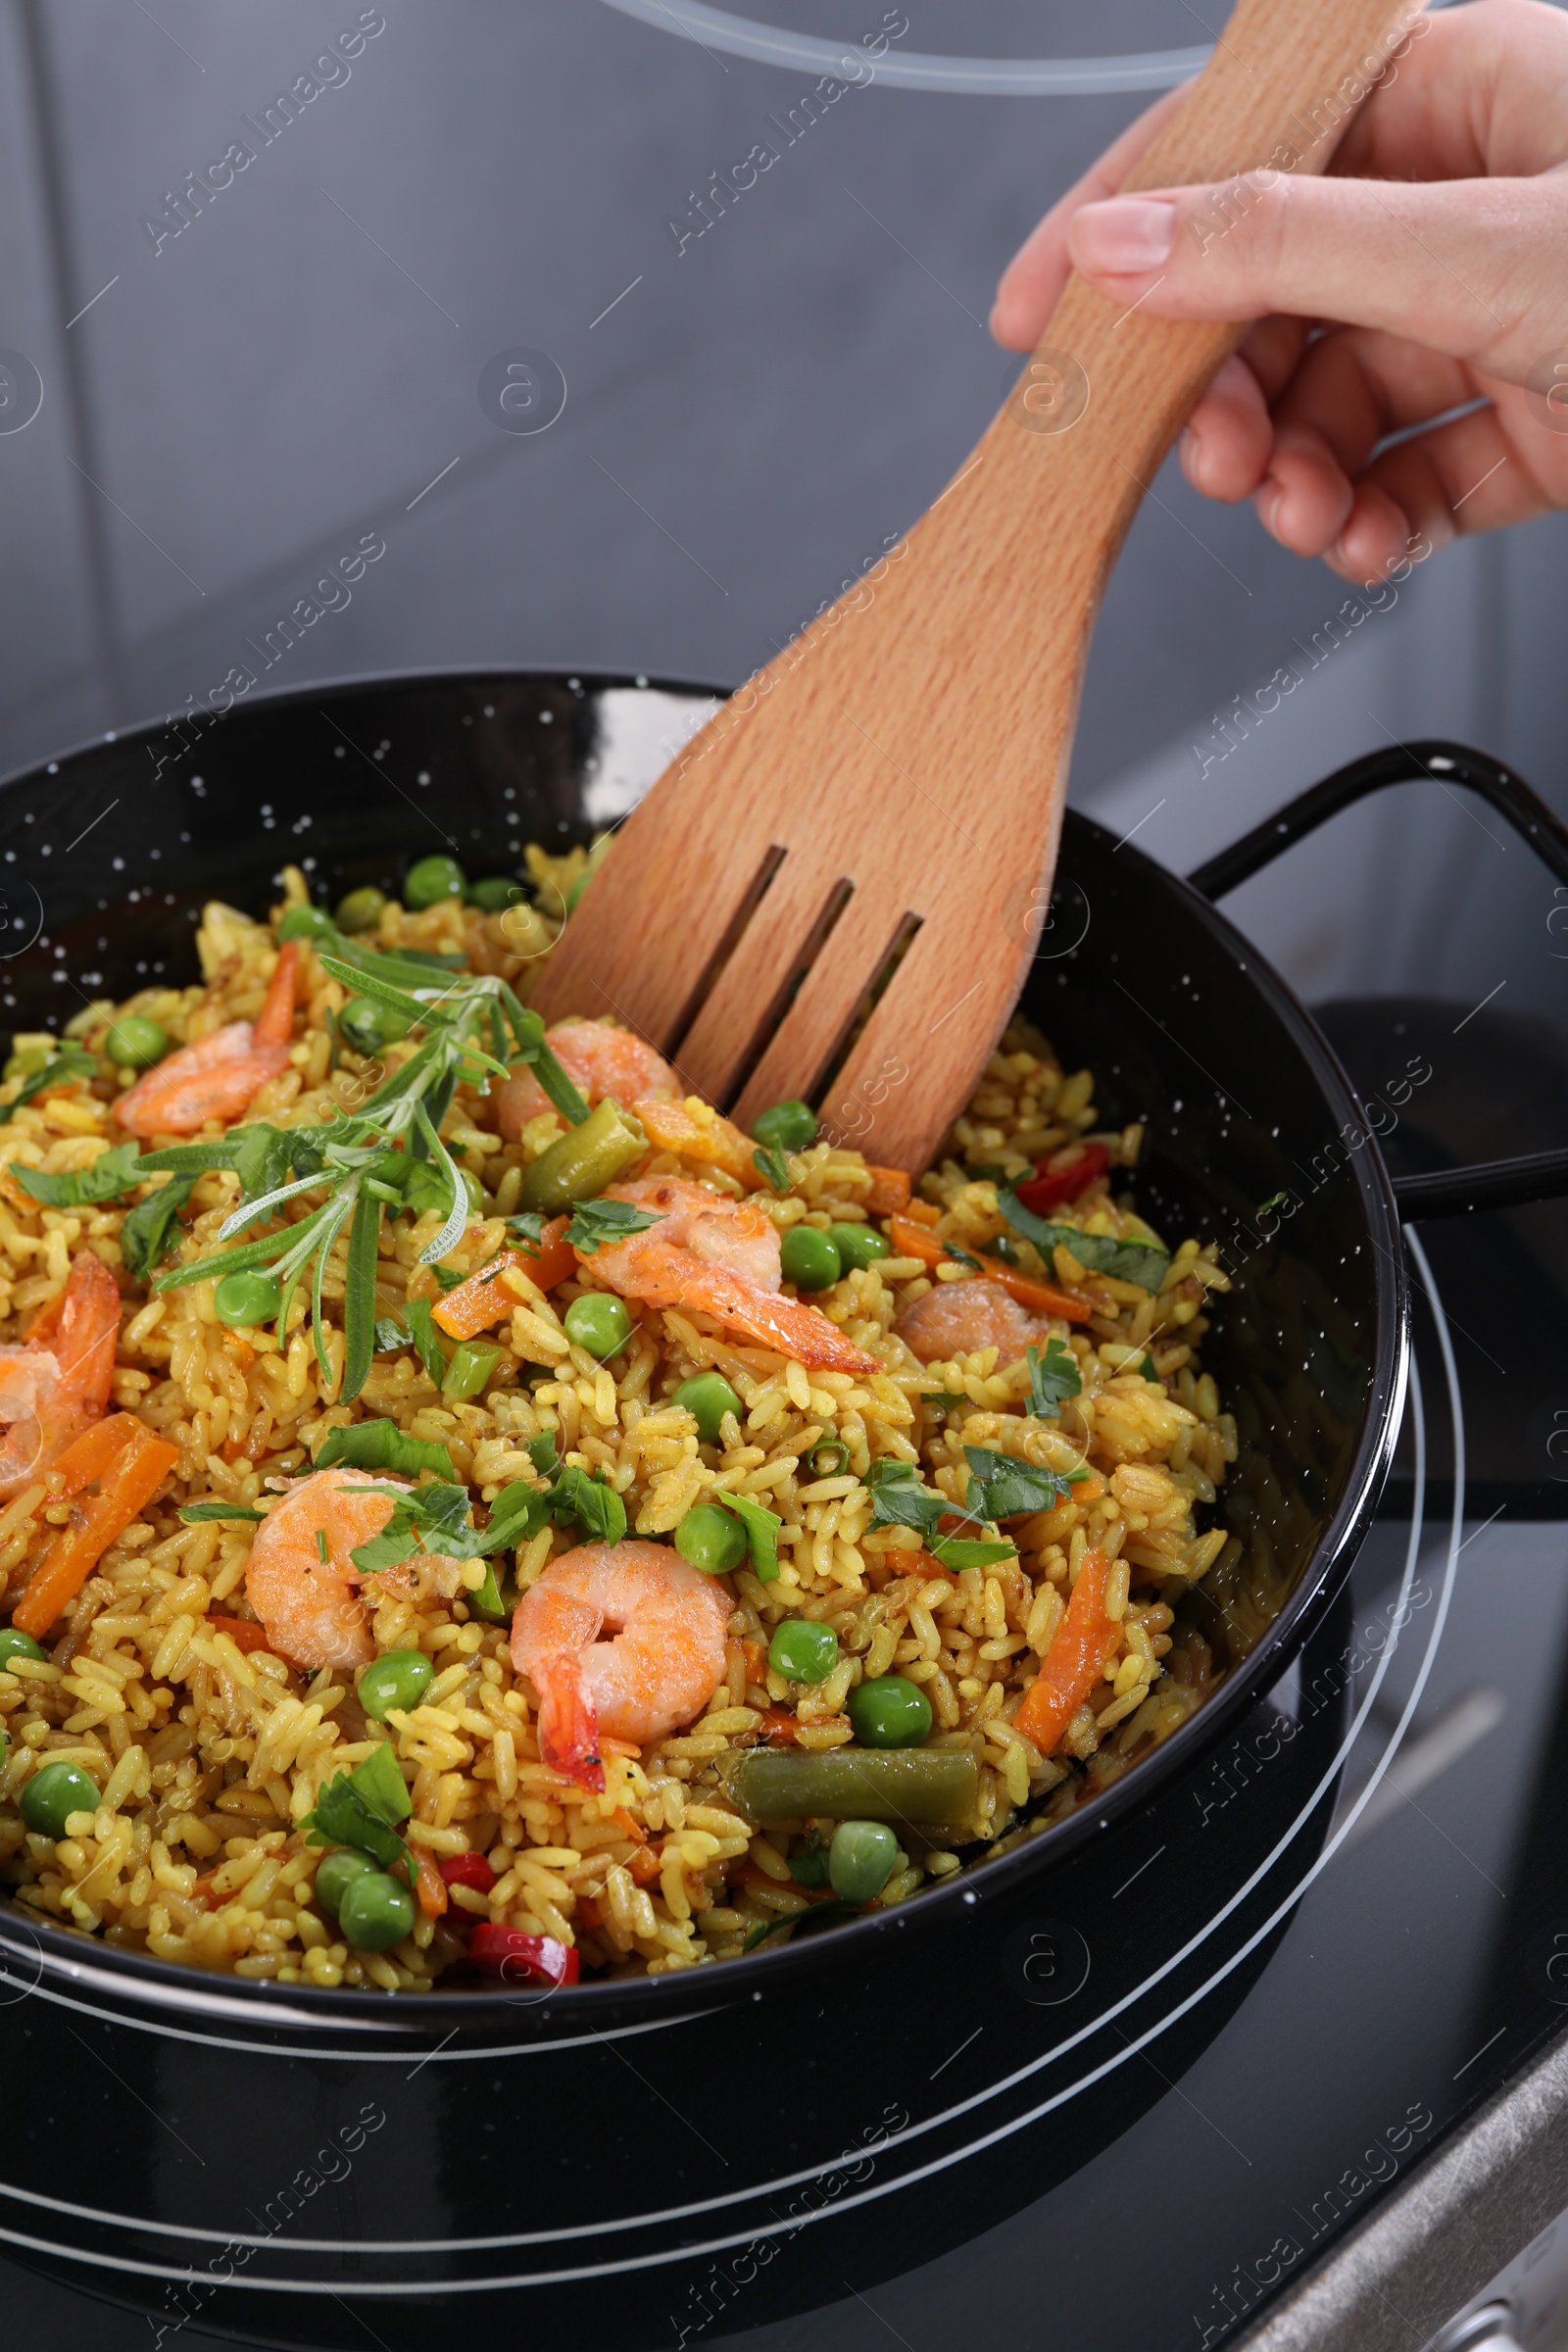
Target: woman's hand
1429,269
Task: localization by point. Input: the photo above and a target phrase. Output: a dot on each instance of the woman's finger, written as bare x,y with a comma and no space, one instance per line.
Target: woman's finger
1476,268
1032,282
1230,435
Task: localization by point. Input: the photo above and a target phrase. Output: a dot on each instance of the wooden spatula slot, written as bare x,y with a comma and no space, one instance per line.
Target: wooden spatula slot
922,728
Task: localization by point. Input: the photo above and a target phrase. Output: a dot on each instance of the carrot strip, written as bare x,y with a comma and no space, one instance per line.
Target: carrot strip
779,1727
890,1191
88,1456
672,1127
754,1655
128,1482
274,1025
1075,1661
480,1303
644,1867
430,1888
920,1212
916,1240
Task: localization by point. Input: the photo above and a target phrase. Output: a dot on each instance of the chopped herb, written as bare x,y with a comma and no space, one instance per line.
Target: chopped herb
113,1173
488,1601
595,1504
360,1808
389,1333
967,1551
448,1277
1142,1262
594,1222
1009,1489
899,1500
543,1456
322,1551
964,1257
1052,1378
422,1325
382,1445
817,1915
194,1512
528,1225
772,1166
1274,1200
809,1869
761,1531
1148,1368
151,1230
71,1061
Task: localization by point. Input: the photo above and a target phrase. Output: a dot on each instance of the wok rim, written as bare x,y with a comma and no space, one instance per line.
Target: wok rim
164,1987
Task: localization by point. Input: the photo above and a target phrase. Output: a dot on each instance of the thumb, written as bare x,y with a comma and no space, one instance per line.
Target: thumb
1470,268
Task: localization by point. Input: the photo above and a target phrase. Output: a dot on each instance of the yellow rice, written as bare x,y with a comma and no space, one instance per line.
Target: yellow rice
207,1758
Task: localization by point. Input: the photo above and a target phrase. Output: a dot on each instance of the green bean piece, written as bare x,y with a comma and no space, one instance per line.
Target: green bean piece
473,1362
937,1785
585,1159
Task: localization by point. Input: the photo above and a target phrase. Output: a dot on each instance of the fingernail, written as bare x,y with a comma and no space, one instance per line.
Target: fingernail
1125,235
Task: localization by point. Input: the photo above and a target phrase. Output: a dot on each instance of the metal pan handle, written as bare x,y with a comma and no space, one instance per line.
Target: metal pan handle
1447,1191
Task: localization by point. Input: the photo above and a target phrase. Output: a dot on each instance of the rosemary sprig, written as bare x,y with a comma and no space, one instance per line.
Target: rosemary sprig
473,1026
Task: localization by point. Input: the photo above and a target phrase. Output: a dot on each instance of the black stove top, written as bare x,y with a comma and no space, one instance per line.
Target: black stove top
1181,2067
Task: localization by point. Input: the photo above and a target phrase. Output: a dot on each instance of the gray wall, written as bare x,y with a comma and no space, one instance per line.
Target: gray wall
753,419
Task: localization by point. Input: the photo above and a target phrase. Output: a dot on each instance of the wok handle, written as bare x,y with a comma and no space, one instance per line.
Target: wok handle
1444,1192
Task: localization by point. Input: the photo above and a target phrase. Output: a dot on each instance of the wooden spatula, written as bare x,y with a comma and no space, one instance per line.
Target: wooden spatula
875,815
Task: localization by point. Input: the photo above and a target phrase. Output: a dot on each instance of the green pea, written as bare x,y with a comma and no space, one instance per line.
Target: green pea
398,1678
711,1538
53,1795
858,1245
303,922
600,1322
473,1362
861,1859
710,1397
495,893
434,879
246,1298
337,1872
792,1124
803,1651
366,1026
375,1911
15,1643
135,1043
809,1258
889,1712
361,909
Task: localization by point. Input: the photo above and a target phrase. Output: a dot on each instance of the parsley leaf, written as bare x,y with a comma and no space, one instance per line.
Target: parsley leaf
193,1512
595,1506
448,1277
594,1222
528,1225
390,1334
1052,1378
359,1808
111,1174
382,1445
71,1061
960,1551
899,1500
1007,1489
152,1229
1142,1262
761,1531
1148,1368
772,1166
543,1456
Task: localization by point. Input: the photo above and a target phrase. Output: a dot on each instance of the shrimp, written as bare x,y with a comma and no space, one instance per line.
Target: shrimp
55,1383
660,1668
957,1318
308,1605
722,1258
217,1077
600,1060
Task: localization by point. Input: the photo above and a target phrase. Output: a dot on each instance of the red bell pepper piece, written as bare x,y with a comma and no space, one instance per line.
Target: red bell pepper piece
1049,1188
519,1959
468,1870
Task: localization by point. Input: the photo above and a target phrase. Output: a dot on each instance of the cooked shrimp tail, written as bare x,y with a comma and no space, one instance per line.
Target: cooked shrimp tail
219,1076
661,1664
56,1384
